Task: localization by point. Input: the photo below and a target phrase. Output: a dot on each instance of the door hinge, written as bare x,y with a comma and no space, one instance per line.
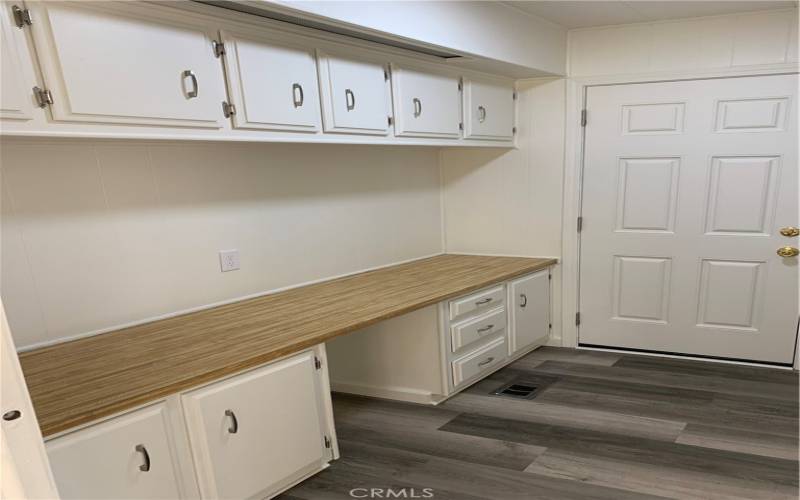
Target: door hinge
219,48
389,119
580,224
317,363
460,84
327,442
550,325
21,17
514,95
577,319
228,109
583,118
43,97
549,276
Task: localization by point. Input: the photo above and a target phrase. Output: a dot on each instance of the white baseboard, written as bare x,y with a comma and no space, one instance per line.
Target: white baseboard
406,394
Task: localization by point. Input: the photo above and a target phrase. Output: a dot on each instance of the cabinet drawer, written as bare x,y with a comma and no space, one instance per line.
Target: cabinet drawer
130,456
258,432
478,328
477,301
479,361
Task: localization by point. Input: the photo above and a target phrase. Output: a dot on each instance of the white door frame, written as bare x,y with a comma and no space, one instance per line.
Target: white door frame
573,172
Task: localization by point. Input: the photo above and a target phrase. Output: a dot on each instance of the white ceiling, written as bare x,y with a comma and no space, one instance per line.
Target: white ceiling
583,14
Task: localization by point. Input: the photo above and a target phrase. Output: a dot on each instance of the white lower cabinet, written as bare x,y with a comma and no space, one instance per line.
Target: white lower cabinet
251,435
131,456
255,434
529,300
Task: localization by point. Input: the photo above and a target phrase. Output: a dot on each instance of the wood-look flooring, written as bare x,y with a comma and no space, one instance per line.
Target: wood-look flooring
607,426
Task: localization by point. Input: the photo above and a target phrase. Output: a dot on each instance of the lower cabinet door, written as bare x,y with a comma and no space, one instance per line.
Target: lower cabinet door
530,310
257,433
130,456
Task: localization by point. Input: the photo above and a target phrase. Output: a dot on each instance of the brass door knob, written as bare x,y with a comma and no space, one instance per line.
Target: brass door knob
788,251
790,231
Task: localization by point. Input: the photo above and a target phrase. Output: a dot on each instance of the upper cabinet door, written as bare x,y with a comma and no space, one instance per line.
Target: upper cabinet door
427,104
488,110
127,63
356,95
17,77
273,83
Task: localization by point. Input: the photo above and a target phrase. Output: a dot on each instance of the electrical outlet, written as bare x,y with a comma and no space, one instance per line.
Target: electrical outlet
229,260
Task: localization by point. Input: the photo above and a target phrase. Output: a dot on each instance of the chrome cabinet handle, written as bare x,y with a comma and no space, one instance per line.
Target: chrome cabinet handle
481,114
483,301
417,107
524,299
485,328
488,360
350,99
234,427
191,93
297,95
11,415
145,467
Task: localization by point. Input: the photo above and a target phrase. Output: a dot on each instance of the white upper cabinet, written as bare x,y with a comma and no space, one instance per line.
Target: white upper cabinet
17,77
488,110
126,63
356,95
131,456
272,82
426,103
257,433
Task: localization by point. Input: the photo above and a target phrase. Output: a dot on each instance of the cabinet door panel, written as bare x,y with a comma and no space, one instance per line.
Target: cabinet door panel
426,104
488,110
356,95
272,83
257,432
118,62
530,312
107,460
17,78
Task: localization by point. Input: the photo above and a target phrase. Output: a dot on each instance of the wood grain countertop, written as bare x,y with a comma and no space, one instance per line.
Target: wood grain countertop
82,380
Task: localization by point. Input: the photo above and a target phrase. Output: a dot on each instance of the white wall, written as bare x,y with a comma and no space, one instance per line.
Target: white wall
509,202
488,29
97,234
719,42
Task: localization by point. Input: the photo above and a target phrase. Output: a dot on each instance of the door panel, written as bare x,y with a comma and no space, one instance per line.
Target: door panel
258,432
167,60
530,314
686,186
426,104
126,457
17,78
488,110
273,83
356,96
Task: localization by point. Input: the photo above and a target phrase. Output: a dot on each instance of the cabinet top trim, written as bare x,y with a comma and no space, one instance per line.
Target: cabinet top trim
83,380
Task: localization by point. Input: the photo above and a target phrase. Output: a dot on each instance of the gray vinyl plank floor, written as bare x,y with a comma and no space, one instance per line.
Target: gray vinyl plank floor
604,425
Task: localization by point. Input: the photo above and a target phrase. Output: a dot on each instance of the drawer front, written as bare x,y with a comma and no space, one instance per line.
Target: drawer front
480,301
476,362
126,457
259,431
478,328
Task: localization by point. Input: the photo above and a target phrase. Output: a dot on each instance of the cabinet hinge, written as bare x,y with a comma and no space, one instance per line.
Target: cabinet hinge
219,48
460,84
461,126
577,319
583,118
21,16
43,97
514,95
327,442
228,109
513,130
580,224
549,276
317,363
550,325
389,119
386,73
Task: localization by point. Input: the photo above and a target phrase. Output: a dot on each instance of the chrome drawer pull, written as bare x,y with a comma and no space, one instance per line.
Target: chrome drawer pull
481,114
234,428
483,301
417,107
524,299
297,95
145,467
191,93
349,99
488,360
485,328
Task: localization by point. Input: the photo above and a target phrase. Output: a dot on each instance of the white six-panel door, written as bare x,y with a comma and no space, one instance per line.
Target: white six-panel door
686,187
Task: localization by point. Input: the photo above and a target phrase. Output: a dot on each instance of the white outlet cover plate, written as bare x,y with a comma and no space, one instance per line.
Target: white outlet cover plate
229,260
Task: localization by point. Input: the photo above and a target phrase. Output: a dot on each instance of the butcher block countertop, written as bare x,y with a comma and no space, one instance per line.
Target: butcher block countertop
82,380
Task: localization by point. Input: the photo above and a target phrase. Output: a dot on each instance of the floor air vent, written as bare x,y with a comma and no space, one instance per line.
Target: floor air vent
517,390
